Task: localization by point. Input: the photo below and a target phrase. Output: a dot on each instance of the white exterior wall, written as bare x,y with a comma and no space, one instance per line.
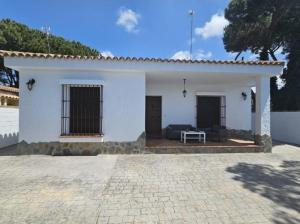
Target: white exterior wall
179,110
9,126
124,92
123,104
285,126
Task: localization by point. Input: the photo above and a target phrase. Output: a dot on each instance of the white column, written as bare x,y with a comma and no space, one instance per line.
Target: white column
262,117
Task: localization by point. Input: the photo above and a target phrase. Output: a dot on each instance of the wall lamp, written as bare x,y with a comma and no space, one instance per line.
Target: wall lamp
244,95
30,84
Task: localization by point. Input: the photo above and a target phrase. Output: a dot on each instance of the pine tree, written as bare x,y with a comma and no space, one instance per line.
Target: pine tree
15,36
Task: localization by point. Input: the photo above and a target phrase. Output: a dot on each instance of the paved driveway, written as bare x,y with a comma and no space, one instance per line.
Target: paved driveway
203,188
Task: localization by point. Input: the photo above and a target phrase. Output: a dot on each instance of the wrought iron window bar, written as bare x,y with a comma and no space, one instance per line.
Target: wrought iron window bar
82,110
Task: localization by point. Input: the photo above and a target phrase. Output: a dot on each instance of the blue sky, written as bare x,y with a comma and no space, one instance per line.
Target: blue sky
156,28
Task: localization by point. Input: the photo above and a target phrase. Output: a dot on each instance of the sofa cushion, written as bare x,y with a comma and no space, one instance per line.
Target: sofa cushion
180,127
173,131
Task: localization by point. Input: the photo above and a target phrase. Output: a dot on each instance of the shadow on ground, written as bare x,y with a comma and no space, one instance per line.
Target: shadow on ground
281,184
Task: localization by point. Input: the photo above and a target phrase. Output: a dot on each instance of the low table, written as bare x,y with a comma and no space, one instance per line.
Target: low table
200,135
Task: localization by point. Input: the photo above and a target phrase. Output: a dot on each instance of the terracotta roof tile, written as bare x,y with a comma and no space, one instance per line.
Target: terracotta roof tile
100,57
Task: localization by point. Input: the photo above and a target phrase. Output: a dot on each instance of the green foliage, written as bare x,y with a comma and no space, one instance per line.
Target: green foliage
263,26
15,36
257,25
18,37
289,95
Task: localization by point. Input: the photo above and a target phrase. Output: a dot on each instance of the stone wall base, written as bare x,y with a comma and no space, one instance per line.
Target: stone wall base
81,148
240,134
265,141
203,149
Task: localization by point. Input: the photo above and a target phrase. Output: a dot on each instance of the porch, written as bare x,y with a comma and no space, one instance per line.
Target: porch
205,99
232,145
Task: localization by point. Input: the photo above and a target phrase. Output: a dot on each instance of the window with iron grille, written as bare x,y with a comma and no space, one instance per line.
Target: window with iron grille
81,110
223,111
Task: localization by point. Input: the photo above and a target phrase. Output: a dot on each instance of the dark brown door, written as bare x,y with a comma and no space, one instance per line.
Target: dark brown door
153,116
208,111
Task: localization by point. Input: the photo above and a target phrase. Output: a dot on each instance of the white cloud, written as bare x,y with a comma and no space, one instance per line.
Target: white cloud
107,54
280,82
198,55
279,51
128,19
231,55
281,55
253,57
189,42
181,55
214,27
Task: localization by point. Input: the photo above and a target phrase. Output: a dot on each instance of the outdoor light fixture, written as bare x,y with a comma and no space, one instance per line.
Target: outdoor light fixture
30,84
244,95
184,92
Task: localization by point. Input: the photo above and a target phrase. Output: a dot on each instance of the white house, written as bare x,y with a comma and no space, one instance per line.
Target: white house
75,102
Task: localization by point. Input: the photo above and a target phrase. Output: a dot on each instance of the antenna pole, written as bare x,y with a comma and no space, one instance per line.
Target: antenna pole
191,13
48,43
46,30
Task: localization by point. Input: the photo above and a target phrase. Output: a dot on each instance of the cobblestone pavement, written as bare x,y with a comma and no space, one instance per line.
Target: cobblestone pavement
46,189
202,188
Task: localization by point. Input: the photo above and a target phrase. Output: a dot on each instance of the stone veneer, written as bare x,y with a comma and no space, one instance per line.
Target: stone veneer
240,134
82,148
138,146
265,141
203,149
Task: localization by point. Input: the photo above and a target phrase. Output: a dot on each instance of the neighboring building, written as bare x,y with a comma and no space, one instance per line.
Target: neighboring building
91,103
9,96
9,115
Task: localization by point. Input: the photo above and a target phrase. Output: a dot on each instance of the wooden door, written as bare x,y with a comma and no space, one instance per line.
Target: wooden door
208,111
153,116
